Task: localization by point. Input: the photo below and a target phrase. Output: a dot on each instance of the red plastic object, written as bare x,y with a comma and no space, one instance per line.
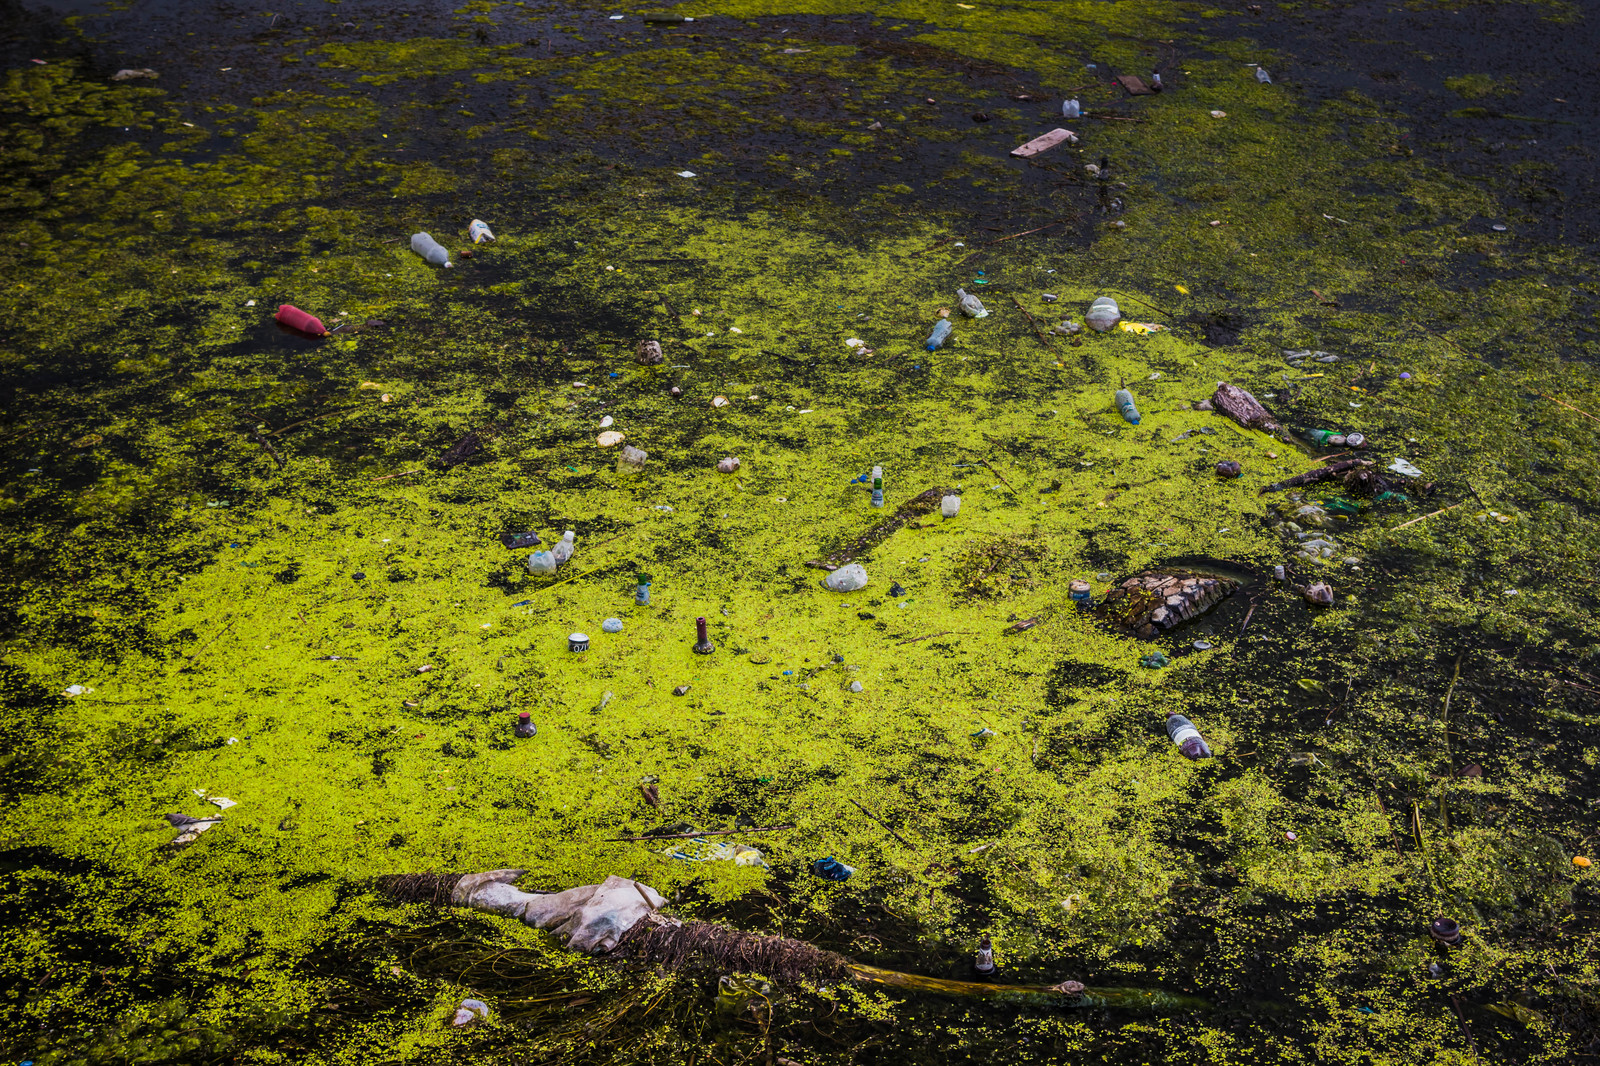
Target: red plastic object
291,316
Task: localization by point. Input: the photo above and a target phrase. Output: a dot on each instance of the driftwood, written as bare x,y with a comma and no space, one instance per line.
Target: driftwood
673,944
1243,408
1320,474
919,505
461,450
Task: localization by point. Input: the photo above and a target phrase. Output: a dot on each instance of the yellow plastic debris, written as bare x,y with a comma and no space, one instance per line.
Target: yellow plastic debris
1140,327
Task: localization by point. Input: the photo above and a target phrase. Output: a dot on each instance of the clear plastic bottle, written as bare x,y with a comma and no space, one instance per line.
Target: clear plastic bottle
1262,76
1104,314
941,333
542,563
641,591
877,486
1125,405
563,548
1187,737
431,250
1071,109
970,305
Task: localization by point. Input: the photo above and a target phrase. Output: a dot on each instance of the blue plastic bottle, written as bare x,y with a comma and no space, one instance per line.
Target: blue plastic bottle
1125,405
941,333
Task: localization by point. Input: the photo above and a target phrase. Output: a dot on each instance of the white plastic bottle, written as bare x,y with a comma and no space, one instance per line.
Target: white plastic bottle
431,250
563,548
542,563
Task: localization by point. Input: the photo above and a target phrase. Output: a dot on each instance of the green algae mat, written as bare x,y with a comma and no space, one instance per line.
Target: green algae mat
259,575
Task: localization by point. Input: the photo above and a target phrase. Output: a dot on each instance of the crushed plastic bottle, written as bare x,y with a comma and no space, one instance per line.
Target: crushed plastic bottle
941,333
431,250
970,305
1071,109
950,506
847,578
542,563
1125,405
631,459
1262,76
563,548
479,231
831,869
1187,737
1103,314
291,316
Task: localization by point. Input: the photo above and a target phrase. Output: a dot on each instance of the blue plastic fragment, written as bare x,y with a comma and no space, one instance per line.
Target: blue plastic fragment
522,603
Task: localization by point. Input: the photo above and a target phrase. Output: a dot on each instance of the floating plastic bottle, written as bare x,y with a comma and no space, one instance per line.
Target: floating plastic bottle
479,231
970,305
641,591
1155,82
1125,405
1103,314
831,869
950,506
877,486
563,548
1262,76
431,250
847,578
542,563
291,316
1187,737
1081,593
1070,109
941,333
983,960
631,459
525,727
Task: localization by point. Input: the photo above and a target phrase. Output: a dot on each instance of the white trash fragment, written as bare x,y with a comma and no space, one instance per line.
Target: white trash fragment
606,422
855,342
1400,466
224,802
847,578
686,174
472,1010
728,465
590,918
75,690
950,506
610,438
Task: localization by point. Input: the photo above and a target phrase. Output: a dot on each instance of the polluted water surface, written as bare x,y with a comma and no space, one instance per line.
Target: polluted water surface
550,534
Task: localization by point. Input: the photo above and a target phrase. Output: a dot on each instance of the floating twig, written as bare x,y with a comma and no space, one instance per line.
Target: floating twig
1246,623
266,445
1032,322
885,825
995,472
920,504
1414,521
1026,232
929,636
403,473
709,833
1569,407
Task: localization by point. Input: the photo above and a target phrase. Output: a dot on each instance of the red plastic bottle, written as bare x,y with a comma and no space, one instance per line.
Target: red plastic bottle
291,316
